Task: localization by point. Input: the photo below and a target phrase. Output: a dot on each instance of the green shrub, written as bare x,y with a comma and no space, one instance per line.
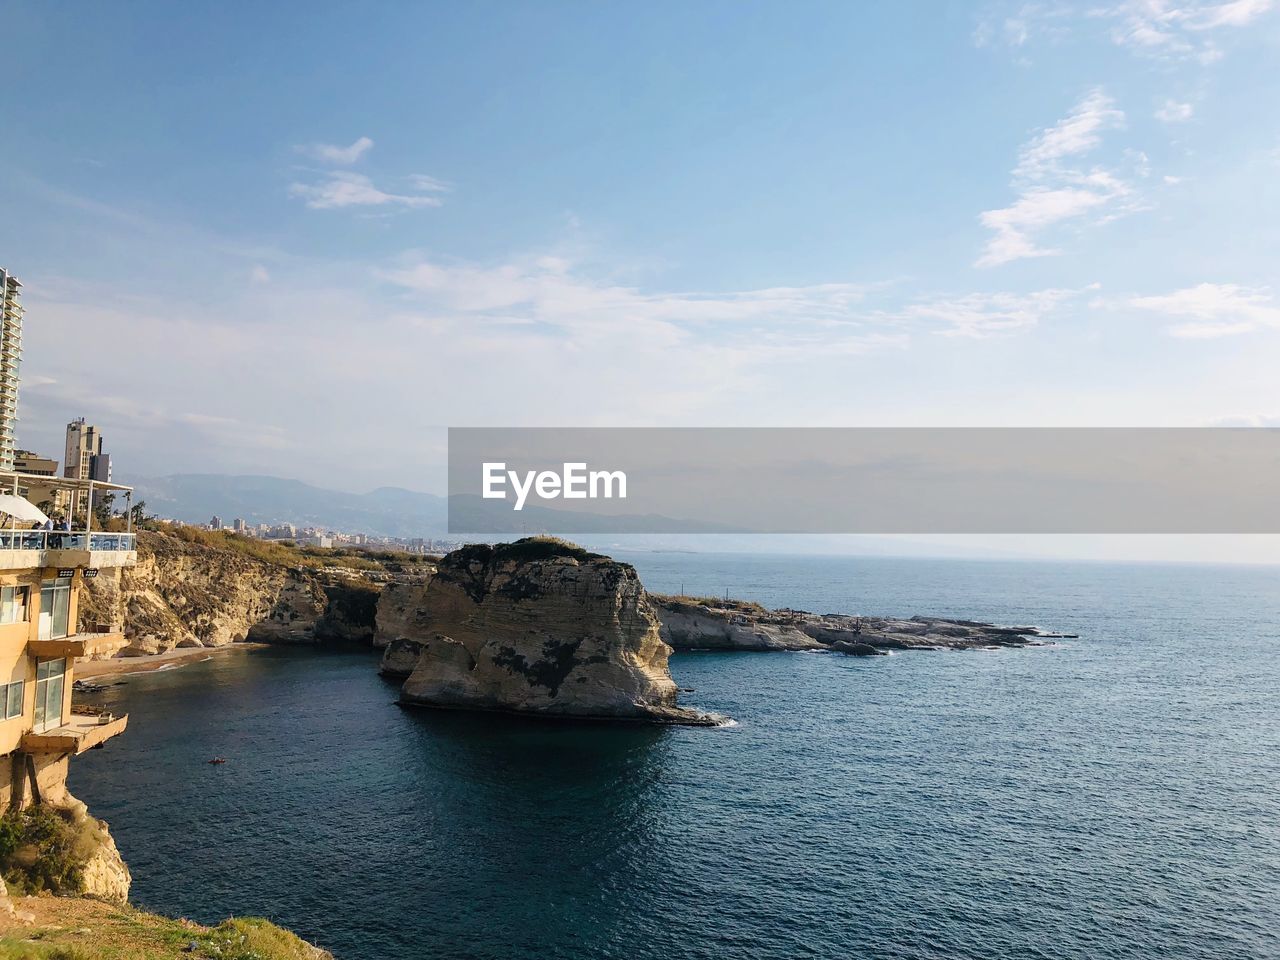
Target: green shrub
46,848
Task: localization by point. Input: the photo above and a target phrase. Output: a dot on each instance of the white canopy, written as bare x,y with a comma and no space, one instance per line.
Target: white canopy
21,509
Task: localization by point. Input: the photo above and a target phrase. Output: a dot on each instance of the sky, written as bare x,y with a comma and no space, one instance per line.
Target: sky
303,239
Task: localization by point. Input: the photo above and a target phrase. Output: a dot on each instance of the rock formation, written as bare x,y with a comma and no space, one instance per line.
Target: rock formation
401,611
712,624
537,626
105,875
192,594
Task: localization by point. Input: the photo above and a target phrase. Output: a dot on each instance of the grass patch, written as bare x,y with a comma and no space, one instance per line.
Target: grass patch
78,929
286,553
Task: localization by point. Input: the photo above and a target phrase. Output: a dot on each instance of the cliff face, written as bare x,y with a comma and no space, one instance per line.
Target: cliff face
400,612
183,594
537,627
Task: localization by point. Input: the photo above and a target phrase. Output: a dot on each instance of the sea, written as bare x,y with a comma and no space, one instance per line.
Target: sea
1111,796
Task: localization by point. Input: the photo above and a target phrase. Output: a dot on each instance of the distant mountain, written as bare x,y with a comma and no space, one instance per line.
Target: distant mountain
196,497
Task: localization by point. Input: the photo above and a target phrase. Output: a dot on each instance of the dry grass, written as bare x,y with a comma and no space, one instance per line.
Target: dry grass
285,553
82,929
714,603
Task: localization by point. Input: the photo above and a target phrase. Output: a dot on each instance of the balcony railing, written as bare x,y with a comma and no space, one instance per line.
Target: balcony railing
66,540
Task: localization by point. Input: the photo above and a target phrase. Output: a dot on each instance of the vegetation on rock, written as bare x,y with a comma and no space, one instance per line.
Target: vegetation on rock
46,848
523,550
82,929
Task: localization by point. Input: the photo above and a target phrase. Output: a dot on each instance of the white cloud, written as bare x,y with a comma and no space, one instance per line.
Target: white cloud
1211,310
981,315
1022,24
1078,133
342,188
1174,30
1052,188
1171,111
427,184
1163,29
549,295
1247,420
341,156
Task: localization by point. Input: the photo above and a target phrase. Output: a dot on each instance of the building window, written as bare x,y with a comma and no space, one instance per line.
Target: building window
55,608
11,699
13,604
50,679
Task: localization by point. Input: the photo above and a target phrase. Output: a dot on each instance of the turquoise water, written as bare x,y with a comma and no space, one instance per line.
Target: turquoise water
1114,796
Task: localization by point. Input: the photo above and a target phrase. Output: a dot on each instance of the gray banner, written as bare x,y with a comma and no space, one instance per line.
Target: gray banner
864,480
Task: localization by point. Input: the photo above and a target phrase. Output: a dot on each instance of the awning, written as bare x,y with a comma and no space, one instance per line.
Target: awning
21,508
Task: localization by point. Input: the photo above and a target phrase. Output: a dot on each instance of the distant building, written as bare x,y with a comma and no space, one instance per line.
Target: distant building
239,526
84,442
84,459
10,356
215,523
24,461
51,496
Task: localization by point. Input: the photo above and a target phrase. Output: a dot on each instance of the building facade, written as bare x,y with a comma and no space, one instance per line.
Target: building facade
42,636
84,459
10,358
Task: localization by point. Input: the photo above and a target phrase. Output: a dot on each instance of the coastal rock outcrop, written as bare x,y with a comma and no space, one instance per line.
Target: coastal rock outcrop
539,626
714,624
689,624
400,657
185,593
104,873
401,613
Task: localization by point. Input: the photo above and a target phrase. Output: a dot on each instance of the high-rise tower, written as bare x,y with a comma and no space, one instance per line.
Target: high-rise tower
10,357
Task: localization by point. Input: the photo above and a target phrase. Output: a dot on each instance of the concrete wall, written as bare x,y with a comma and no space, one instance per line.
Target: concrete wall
51,775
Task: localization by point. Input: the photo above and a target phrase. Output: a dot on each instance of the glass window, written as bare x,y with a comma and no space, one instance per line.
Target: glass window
50,676
12,699
55,608
13,604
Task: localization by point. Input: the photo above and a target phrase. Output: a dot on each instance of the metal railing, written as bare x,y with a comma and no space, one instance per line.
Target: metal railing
66,540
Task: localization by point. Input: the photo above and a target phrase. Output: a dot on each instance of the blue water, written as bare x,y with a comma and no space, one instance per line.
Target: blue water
1113,796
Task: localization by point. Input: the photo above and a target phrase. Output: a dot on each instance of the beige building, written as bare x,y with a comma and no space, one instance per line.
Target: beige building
48,494
42,637
10,357
84,459
84,442
24,461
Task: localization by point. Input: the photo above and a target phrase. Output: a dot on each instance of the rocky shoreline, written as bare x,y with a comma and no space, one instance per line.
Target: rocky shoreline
711,624
538,626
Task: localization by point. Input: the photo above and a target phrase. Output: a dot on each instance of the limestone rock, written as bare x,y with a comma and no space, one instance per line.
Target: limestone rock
400,657
714,624
105,874
401,612
539,626
856,649
185,594
728,625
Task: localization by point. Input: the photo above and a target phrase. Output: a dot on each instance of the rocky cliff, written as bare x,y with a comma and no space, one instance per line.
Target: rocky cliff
185,593
401,611
536,626
712,624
